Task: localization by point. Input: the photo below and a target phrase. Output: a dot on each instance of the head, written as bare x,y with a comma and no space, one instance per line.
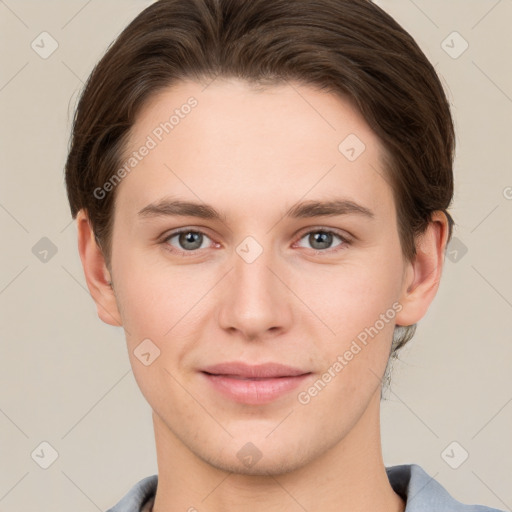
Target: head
255,111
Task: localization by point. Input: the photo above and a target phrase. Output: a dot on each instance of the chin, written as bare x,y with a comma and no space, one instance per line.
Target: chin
250,460
264,467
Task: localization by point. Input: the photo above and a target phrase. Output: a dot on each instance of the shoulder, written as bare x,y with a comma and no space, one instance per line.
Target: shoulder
422,493
137,496
418,489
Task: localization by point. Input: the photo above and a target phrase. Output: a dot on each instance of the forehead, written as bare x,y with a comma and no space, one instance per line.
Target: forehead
229,137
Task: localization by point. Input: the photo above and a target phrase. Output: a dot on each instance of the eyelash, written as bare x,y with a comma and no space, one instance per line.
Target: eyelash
345,241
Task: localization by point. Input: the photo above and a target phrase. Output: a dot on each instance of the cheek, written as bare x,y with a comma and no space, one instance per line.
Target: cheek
359,304
355,360
164,304
351,297
158,320
150,294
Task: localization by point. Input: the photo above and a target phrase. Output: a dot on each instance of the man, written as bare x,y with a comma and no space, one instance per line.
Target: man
261,193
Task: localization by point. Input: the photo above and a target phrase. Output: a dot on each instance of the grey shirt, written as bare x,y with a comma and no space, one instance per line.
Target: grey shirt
420,492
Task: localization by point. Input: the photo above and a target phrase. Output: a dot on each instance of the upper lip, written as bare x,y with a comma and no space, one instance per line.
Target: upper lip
267,370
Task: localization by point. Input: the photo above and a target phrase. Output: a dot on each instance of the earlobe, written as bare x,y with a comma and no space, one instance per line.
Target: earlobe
96,273
423,275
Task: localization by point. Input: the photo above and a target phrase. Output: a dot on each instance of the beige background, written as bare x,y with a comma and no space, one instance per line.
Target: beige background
66,378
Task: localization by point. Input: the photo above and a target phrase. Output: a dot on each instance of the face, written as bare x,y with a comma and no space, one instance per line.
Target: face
259,277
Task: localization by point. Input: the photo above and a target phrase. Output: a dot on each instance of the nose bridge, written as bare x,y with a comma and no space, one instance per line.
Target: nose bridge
254,299
251,268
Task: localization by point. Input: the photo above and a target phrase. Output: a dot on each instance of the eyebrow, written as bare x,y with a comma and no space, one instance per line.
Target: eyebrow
305,209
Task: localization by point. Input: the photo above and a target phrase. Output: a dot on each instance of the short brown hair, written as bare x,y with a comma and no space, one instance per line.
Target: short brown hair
348,47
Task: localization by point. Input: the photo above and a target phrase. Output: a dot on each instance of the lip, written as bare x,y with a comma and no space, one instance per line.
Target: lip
253,384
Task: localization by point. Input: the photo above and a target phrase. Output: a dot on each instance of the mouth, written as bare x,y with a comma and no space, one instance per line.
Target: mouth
253,384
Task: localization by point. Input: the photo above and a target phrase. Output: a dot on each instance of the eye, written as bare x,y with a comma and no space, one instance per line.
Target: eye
188,241
322,239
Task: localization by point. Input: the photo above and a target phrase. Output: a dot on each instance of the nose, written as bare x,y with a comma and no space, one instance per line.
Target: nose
255,300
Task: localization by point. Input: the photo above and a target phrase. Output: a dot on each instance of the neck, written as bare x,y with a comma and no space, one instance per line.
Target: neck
348,477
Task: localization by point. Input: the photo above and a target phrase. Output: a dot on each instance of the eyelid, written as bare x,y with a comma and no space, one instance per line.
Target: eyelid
314,229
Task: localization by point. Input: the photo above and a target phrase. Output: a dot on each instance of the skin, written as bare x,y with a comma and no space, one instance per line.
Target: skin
253,154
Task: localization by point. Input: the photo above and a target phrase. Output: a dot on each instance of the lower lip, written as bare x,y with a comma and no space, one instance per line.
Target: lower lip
254,391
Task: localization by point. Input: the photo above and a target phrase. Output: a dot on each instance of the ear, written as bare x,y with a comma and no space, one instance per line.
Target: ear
96,272
422,276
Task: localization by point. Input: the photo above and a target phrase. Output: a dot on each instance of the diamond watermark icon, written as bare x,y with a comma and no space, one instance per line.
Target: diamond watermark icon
44,455
249,249
146,352
456,250
249,454
44,250
351,147
454,45
44,45
454,455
